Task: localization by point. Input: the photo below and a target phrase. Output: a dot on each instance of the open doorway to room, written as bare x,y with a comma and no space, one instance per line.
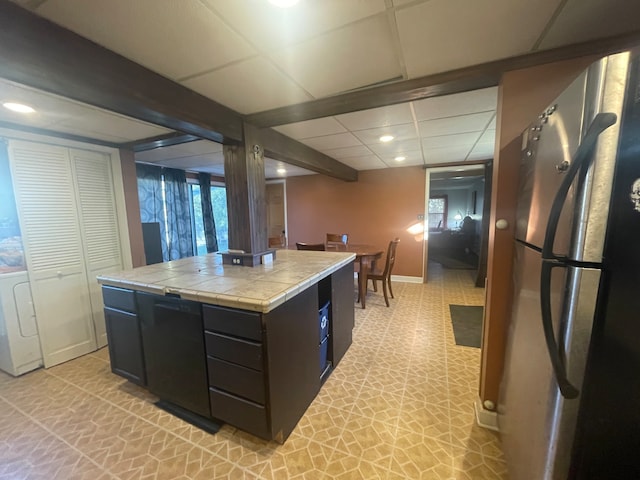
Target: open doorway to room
276,196
457,209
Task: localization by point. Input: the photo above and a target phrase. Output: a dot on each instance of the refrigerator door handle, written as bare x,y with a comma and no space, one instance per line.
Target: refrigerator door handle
582,158
557,361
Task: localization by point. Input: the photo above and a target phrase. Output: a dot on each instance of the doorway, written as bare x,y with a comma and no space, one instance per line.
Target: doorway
276,197
457,209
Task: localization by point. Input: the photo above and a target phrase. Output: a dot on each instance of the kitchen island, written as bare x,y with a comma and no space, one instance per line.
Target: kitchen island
249,346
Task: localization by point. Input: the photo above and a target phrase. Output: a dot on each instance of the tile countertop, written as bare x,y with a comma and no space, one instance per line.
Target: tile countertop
205,279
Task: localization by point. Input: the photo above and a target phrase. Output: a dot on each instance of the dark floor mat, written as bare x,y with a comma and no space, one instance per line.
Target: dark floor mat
467,324
455,260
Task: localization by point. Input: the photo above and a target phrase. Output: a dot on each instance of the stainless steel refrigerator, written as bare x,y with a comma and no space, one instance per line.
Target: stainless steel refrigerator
570,396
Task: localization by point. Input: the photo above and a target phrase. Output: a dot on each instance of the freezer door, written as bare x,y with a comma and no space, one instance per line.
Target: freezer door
537,425
548,147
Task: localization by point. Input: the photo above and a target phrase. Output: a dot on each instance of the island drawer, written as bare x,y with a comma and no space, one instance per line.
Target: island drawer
234,350
119,298
246,415
236,379
233,322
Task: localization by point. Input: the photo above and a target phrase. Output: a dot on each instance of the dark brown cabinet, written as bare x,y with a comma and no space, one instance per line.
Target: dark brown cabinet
123,332
261,369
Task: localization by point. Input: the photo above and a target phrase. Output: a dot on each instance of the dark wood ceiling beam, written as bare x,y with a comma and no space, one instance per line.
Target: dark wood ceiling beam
280,147
167,140
446,83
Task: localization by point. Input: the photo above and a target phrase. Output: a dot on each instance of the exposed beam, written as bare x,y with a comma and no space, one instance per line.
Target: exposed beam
167,140
43,55
280,147
454,81
52,133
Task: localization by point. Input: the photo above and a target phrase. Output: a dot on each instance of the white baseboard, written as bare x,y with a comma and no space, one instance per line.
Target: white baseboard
485,418
403,278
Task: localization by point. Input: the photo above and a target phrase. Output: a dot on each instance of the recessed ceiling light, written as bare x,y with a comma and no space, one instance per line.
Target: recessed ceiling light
386,138
18,107
281,171
283,3
400,159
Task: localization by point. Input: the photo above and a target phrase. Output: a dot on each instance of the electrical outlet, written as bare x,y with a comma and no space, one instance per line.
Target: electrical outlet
421,216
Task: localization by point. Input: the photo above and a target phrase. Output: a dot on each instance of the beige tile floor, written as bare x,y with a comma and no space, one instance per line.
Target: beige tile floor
399,406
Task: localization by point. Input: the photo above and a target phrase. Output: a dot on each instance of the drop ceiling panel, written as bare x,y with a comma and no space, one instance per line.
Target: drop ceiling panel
583,20
476,101
175,39
188,163
488,137
311,128
395,148
460,139
106,124
369,162
446,155
271,170
271,27
441,35
346,152
459,124
411,158
200,147
400,133
324,65
217,170
377,117
249,86
329,142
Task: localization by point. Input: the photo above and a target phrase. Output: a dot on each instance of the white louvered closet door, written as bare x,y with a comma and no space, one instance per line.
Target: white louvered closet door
48,213
98,225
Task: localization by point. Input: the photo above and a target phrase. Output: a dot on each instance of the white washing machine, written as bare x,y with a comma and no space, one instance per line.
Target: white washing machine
19,340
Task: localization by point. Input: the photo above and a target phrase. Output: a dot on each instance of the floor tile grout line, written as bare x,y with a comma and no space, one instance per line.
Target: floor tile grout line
160,427
55,435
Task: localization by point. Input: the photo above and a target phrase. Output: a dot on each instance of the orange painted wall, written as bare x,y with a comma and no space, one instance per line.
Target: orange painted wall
380,206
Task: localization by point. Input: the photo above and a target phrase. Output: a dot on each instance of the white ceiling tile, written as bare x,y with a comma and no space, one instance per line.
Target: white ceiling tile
217,170
249,86
394,148
377,117
399,132
411,158
492,123
369,162
174,38
329,142
346,152
481,152
441,35
269,27
446,155
460,139
311,128
475,101
195,162
77,129
324,65
460,124
584,20
107,124
271,167
488,137
188,149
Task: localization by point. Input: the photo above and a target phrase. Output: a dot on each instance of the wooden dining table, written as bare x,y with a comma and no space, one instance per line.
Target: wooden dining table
366,256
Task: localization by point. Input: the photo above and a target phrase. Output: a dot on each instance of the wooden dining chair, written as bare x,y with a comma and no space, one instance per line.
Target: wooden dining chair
319,247
337,239
385,275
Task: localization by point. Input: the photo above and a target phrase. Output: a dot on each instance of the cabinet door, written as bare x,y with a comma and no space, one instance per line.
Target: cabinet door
98,226
125,345
45,195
